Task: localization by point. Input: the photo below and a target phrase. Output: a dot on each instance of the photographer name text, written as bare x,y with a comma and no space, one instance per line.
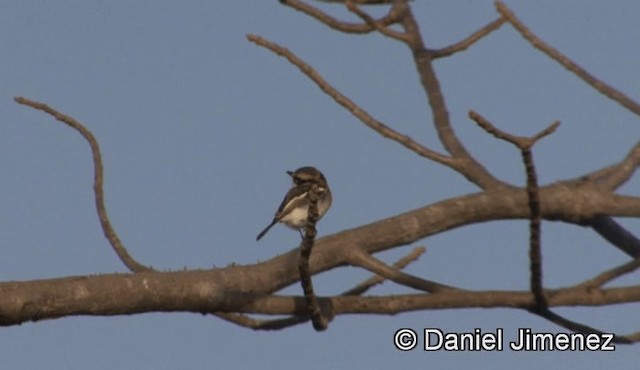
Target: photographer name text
525,339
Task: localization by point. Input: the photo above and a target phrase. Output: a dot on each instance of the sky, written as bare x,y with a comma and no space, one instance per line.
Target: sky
197,127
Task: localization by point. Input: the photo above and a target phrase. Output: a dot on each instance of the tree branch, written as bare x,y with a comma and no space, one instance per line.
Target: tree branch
362,259
286,322
467,42
98,182
471,169
331,22
353,108
313,308
615,234
610,275
383,29
567,63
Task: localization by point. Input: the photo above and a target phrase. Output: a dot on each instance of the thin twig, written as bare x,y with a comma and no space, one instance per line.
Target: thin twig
361,2
467,42
362,259
385,30
346,27
521,142
567,63
610,275
98,182
374,280
353,108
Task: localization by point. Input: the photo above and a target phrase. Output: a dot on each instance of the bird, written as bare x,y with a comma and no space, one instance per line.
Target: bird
294,209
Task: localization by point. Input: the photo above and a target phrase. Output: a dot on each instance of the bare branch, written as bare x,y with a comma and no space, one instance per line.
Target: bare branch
362,259
613,176
541,306
364,286
567,63
98,181
521,142
313,308
286,322
535,254
617,235
610,275
353,108
361,2
357,28
470,168
469,41
623,170
576,326
373,23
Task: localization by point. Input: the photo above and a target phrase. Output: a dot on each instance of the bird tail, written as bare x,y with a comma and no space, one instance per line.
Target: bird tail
266,229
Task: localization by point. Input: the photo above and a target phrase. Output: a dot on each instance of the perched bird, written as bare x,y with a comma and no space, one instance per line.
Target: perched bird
294,209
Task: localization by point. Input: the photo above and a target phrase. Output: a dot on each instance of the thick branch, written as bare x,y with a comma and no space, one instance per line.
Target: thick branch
215,290
472,169
286,322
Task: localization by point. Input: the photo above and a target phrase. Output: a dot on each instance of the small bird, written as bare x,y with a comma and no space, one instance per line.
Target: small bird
294,209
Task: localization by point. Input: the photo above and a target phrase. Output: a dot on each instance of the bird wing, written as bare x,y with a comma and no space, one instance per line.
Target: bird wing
296,197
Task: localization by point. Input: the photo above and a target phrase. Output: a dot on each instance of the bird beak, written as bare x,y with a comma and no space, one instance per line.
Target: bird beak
290,173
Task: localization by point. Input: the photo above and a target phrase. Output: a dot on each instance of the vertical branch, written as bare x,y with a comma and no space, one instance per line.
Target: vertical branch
540,306
319,322
535,253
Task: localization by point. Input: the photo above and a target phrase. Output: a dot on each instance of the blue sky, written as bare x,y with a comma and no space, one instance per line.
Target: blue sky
198,126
